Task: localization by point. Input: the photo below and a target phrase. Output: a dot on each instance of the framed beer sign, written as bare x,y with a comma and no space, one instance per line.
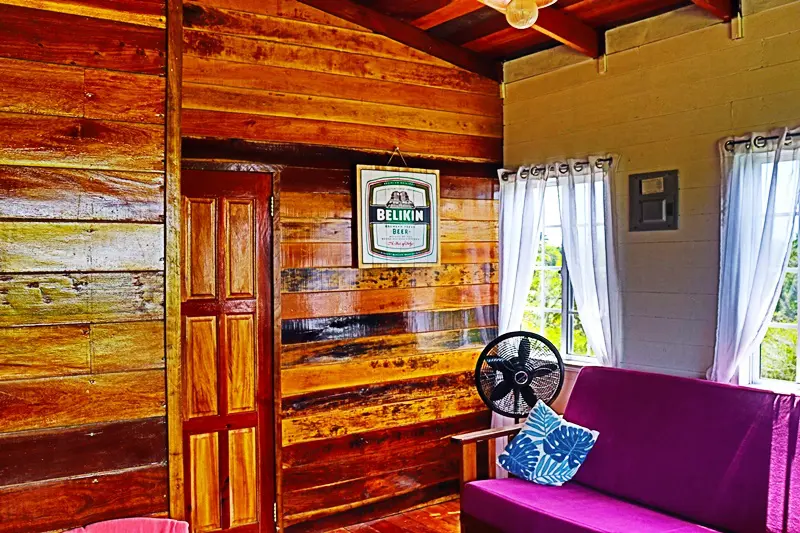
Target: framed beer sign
398,216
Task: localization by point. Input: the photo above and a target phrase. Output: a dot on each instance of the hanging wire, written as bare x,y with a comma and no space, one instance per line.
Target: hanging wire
398,152
563,168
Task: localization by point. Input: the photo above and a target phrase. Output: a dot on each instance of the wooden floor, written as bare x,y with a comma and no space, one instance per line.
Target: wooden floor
441,518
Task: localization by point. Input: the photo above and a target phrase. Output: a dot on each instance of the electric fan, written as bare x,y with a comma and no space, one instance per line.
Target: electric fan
517,369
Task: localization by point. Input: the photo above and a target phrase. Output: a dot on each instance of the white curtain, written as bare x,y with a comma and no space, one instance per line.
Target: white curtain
760,190
521,209
586,197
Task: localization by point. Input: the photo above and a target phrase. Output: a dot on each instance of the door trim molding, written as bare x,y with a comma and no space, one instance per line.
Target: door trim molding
172,251
276,348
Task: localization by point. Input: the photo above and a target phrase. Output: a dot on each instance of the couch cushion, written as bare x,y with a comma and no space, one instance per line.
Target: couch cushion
517,506
692,448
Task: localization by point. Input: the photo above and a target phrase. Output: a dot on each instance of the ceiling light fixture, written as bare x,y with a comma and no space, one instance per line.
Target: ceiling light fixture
520,14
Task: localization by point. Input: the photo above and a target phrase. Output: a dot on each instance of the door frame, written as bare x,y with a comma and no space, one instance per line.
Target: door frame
173,330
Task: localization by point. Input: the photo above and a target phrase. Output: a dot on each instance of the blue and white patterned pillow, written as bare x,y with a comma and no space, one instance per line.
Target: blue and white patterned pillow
549,450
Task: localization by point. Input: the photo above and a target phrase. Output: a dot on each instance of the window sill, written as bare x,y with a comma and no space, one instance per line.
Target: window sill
575,363
780,387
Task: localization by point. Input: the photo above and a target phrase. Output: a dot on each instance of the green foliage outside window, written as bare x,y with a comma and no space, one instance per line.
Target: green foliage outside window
779,348
545,307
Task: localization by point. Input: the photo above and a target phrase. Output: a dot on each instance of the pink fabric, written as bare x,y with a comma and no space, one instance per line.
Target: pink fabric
139,525
691,448
517,506
724,457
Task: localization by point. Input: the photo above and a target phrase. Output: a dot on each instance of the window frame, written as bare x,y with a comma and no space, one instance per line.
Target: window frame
567,313
750,374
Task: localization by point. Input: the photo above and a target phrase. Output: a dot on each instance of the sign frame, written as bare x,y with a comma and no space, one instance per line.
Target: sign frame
367,258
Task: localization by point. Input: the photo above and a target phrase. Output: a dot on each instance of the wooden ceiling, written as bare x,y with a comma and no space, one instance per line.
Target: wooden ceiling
476,37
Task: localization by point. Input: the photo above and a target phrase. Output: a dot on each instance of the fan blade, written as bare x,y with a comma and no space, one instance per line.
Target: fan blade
545,370
529,396
501,391
497,363
516,402
524,350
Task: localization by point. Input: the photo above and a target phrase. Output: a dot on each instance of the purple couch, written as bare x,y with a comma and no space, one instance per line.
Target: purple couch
674,455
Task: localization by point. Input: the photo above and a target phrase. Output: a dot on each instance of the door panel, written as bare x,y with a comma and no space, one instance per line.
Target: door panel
201,365
241,363
204,453
227,351
200,252
243,476
240,229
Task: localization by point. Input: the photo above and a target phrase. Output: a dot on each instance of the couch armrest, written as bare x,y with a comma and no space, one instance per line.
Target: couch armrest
469,450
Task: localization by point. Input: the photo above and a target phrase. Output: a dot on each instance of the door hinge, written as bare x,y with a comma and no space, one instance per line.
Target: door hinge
275,512
272,206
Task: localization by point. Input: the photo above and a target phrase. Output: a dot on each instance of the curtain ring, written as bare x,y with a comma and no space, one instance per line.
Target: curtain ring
535,171
599,163
759,142
578,166
788,140
504,176
748,145
524,173
563,168
729,145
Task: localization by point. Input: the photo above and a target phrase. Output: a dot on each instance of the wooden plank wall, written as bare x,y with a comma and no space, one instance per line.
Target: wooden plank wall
375,363
81,262
278,70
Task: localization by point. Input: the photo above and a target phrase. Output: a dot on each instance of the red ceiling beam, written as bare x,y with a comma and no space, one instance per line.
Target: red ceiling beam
719,8
453,10
408,35
569,30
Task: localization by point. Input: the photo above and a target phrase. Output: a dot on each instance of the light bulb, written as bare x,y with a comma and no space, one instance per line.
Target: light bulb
522,14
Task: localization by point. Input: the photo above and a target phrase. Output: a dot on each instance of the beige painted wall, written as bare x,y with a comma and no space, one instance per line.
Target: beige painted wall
674,85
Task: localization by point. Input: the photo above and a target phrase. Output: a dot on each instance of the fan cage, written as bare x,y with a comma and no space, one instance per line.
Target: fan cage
543,355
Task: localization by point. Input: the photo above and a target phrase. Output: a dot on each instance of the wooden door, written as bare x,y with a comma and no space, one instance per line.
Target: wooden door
227,351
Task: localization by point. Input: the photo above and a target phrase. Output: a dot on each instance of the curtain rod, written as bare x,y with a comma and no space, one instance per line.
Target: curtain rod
563,168
760,141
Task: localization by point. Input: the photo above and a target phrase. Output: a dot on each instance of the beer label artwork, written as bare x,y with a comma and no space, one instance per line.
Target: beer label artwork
398,216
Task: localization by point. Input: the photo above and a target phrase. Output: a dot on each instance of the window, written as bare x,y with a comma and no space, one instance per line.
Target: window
551,310
775,362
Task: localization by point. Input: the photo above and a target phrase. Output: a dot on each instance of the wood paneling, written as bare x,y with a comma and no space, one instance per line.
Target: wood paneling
127,346
83,247
59,193
61,503
369,355
265,74
32,140
60,453
30,299
82,395
69,401
375,360
348,279
283,80
44,351
49,37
